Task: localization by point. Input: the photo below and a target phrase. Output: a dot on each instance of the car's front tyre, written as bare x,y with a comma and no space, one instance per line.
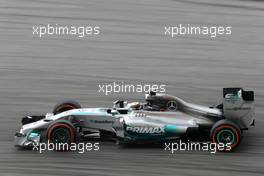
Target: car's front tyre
61,132
65,106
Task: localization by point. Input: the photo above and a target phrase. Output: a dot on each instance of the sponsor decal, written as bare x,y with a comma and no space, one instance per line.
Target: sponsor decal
239,108
234,97
101,121
146,130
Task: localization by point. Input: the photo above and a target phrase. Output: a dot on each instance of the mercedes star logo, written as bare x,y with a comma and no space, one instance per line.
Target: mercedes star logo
172,106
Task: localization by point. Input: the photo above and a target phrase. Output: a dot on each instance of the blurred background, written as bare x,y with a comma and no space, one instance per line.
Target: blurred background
36,73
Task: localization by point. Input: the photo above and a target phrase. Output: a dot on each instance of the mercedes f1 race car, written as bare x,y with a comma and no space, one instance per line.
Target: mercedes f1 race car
162,117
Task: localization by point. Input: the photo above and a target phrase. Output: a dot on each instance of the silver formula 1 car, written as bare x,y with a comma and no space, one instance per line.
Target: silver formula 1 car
163,117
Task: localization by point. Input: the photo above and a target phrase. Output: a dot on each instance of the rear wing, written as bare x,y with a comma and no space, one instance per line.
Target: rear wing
238,105
245,95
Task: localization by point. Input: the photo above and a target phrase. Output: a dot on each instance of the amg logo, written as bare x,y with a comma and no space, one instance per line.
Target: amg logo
146,130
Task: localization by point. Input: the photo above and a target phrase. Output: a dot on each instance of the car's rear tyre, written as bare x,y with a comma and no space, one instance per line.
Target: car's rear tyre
226,132
65,106
61,132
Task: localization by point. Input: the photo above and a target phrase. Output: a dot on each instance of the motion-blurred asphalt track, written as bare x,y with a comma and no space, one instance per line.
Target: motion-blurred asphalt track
36,73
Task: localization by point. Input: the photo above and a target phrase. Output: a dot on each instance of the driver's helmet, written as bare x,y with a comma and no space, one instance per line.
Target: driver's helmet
134,105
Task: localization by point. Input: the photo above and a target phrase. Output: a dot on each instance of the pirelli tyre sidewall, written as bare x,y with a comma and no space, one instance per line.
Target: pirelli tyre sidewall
64,128
65,106
226,129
